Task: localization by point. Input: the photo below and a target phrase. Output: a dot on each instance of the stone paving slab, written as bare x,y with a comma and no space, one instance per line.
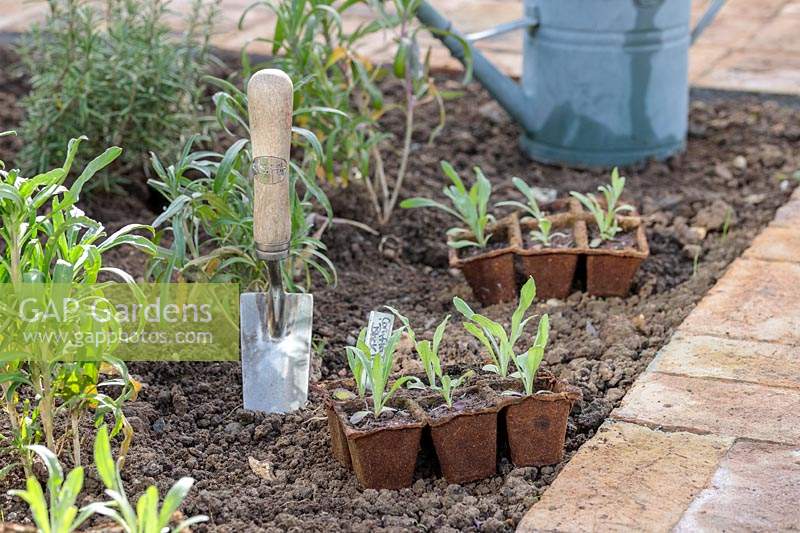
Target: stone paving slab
788,216
776,244
756,488
758,300
731,409
730,374
703,356
586,497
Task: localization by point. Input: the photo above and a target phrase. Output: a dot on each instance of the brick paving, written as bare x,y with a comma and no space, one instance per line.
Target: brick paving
708,438
754,45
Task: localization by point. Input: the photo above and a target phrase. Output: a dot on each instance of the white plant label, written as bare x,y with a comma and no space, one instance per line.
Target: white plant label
379,329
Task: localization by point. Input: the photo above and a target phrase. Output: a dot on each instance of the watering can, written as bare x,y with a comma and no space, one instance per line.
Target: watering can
604,83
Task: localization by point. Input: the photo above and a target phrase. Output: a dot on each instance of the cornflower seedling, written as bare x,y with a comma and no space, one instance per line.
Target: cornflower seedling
491,334
428,351
470,206
355,363
57,512
146,516
606,218
377,369
449,386
528,363
542,234
531,207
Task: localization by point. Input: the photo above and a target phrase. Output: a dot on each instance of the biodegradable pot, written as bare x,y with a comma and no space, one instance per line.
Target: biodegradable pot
465,441
552,268
610,272
339,447
536,426
383,457
491,274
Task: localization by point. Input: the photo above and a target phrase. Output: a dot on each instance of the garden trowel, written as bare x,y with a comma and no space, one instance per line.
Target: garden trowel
276,326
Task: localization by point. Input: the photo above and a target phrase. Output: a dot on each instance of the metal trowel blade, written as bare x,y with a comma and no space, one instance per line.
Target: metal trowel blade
275,371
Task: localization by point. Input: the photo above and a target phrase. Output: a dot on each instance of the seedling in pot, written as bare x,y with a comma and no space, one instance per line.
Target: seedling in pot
356,365
450,385
492,335
531,208
528,363
428,352
542,234
470,206
606,217
376,369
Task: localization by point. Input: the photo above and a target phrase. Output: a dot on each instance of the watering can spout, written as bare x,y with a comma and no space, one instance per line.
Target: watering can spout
508,93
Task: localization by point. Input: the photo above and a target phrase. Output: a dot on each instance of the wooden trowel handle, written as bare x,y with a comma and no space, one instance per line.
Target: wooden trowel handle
269,103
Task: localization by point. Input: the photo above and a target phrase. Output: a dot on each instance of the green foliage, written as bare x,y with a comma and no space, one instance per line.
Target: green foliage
531,207
45,240
428,351
56,512
356,364
470,206
492,335
542,233
376,369
311,43
606,217
210,215
528,363
114,70
147,516
450,385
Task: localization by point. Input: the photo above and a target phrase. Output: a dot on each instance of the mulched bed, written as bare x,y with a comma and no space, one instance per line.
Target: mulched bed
189,419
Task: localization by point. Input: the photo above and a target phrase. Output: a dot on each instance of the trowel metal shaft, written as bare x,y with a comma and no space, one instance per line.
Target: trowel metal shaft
277,296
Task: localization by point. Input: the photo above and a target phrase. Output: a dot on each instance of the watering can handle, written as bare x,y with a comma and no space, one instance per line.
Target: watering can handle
706,19
269,104
501,87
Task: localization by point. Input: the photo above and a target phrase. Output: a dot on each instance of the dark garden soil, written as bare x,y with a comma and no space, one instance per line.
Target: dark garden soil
189,418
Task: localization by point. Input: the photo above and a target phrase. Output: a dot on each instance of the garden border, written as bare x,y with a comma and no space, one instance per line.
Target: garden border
708,437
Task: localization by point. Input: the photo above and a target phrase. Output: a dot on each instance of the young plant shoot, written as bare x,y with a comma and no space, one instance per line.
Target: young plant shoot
542,233
528,363
531,207
56,512
491,334
145,516
470,206
428,352
606,218
450,385
355,363
376,370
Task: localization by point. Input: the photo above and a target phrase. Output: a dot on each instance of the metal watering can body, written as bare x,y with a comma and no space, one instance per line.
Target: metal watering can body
605,82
